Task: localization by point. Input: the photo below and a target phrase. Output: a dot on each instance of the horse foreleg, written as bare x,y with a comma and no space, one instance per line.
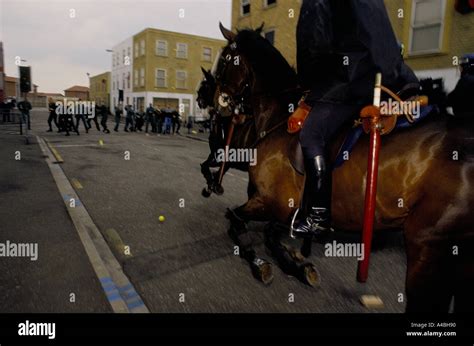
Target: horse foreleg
290,260
238,231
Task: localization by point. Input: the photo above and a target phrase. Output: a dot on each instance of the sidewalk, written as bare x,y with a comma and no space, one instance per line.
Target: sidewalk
32,211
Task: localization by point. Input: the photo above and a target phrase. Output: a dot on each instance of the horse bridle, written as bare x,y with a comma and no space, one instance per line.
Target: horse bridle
237,103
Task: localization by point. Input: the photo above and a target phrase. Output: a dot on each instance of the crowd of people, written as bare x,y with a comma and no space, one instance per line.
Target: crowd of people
159,121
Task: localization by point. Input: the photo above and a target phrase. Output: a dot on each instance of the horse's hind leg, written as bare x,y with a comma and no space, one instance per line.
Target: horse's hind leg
429,268
261,269
291,261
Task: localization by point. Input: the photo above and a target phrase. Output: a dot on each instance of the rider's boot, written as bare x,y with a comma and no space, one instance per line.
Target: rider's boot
315,218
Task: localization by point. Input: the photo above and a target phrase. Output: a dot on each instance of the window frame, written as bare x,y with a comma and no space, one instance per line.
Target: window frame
142,47
242,14
202,53
142,77
166,48
165,78
266,5
185,80
412,28
177,50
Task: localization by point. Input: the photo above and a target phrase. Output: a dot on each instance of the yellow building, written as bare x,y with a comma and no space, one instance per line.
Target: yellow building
167,68
434,34
99,88
280,18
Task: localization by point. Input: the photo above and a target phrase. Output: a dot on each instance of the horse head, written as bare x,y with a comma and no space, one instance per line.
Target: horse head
250,69
206,90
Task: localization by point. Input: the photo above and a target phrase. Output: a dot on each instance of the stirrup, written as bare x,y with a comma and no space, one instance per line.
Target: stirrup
314,228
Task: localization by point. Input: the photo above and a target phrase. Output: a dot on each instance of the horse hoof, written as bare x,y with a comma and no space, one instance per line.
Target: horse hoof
311,275
205,192
218,190
262,270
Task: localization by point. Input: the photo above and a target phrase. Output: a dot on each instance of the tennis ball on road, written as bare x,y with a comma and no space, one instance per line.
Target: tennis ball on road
161,218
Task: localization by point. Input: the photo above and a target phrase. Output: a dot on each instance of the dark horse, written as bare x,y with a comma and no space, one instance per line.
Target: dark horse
205,100
418,166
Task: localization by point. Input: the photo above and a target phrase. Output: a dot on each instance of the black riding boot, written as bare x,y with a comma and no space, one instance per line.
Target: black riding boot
315,216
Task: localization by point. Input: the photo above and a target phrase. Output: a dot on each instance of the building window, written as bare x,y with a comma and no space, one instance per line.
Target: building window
182,50
136,50
142,76
207,54
160,78
268,3
128,52
128,80
244,7
135,78
113,84
181,77
123,80
161,48
142,47
426,26
270,36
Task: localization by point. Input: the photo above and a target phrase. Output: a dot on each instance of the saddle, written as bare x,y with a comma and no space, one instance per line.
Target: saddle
390,122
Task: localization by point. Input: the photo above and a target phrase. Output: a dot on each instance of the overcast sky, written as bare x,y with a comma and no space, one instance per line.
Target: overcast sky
61,49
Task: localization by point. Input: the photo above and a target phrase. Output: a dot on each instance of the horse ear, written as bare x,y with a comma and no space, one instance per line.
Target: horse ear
207,74
228,35
260,28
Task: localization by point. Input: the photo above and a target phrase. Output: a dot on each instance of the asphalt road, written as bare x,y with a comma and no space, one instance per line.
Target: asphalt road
189,252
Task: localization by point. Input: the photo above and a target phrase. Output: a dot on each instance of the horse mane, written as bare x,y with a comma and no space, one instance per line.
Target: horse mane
277,75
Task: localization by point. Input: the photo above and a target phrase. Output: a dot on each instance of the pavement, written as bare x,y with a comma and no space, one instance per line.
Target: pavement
32,211
182,263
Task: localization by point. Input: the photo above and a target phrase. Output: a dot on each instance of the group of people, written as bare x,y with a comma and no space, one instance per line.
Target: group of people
164,121
66,122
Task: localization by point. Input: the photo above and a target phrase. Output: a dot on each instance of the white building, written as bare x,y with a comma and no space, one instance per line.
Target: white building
122,65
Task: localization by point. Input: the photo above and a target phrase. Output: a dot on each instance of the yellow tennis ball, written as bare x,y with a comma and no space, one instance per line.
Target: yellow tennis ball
161,218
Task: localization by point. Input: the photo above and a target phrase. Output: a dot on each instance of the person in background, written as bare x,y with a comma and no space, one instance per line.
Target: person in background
94,118
25,107
104,112
189,125
53,117
139,121
129,118
150,118
118,115
82,117
178,123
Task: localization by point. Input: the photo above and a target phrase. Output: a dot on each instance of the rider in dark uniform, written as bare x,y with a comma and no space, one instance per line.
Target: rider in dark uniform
341,45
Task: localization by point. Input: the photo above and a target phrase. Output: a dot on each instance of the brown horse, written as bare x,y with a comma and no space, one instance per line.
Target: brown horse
426,182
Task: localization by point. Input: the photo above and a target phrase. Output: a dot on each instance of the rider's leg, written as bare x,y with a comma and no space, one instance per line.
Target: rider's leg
321,124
